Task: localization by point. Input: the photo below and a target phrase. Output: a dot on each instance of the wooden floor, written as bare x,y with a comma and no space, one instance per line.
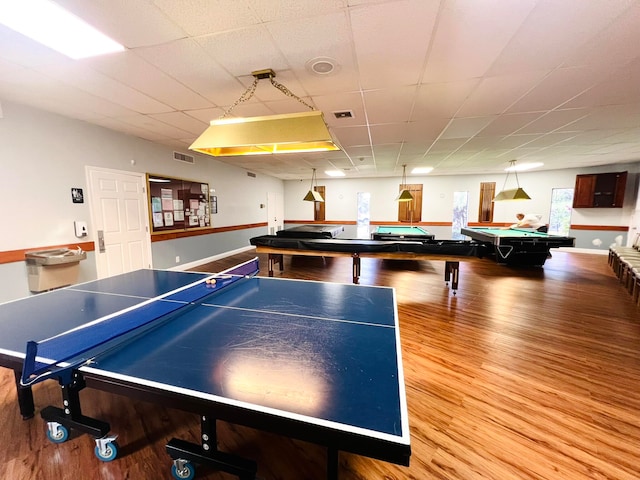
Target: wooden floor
525,374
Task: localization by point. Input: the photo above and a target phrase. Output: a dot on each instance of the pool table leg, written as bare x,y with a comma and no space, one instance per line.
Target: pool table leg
356,268
452,272
273,259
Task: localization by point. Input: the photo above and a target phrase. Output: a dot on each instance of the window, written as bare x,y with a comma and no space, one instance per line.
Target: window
362,222
460,214
561,207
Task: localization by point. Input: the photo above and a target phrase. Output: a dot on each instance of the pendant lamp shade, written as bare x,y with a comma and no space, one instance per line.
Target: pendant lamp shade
313,195
513,193
404,195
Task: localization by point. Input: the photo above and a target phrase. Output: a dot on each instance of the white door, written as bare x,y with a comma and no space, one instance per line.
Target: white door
275,213
119,221
634,226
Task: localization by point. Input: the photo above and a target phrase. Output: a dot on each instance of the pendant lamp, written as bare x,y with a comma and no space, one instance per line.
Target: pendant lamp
404,195
269,134
514,193
313,195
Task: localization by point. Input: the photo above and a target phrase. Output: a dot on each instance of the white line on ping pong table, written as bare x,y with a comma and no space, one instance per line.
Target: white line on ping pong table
297,315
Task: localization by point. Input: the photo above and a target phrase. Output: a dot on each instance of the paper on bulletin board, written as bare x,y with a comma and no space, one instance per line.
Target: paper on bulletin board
168,219
193,221
158,219
178,215
156,204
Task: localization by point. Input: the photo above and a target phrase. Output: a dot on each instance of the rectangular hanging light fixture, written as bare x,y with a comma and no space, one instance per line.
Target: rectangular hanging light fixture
270,134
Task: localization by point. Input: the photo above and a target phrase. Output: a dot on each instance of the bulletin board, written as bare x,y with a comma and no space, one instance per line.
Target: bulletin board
176,204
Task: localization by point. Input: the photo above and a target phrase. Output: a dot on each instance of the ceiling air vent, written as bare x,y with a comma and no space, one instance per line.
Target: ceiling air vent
181,157
251,174
344,114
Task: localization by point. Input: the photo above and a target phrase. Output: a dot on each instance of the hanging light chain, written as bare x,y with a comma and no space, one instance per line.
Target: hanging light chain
289,93
248,93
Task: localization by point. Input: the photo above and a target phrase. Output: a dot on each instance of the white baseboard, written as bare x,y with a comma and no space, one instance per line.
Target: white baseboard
202,261
582,250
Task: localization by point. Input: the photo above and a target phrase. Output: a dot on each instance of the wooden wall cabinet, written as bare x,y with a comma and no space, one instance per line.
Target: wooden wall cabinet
600,190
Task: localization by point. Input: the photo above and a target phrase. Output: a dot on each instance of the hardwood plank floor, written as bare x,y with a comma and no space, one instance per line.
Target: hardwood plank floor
524,374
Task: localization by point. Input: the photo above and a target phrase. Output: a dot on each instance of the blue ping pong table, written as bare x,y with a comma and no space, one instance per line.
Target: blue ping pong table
316,361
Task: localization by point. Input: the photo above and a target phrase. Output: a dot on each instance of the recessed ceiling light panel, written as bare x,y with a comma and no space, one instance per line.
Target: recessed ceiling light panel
53,26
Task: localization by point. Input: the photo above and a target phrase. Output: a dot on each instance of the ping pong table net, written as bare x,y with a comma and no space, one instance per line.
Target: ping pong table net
58,356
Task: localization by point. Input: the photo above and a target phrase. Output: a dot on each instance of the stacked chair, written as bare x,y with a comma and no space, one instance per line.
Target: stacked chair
625,262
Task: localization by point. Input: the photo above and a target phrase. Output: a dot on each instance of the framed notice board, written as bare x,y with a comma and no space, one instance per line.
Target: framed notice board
176,204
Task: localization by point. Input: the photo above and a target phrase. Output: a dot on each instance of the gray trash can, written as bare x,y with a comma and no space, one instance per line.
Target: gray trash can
48,269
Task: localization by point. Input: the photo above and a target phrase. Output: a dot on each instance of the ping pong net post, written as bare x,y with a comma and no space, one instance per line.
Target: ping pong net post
58,356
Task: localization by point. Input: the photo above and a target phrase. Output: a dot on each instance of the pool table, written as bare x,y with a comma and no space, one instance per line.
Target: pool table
401,232
311,231
518,246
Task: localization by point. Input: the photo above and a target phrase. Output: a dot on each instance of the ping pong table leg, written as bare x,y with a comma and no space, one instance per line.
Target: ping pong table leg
332,463
71,416
186,454
25,398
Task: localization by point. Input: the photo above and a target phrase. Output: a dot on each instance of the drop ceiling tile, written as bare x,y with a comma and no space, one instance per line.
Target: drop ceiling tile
388,152
509,123
95,83
446,145
615,116
182,121
441,100
203,17
553,31
243,51
622,87
495,94
352,136
461,47
121,21
151,124
131,70
550,139
186,61
616,44
389,105
557,88
554,120
399,32
388,133
426,131
466,127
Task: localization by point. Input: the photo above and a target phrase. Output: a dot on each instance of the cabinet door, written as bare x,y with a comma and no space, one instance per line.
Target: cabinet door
583,193
621,183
